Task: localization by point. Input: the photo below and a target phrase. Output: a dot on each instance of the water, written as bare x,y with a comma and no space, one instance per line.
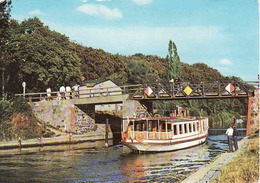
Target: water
90,162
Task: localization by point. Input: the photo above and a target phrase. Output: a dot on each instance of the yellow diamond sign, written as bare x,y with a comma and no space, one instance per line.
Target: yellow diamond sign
188,90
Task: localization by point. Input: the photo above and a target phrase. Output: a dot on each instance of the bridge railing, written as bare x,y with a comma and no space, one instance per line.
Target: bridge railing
81,93
160,90
200,89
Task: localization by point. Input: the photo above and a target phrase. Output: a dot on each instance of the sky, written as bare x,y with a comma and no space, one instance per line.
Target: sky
224,34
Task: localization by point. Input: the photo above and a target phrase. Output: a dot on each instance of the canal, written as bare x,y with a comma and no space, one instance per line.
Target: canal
91,162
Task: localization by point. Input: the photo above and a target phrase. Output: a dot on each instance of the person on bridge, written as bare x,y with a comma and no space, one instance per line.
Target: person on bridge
48,93
235,134
229,134
177,81
62,92
68,92
75,89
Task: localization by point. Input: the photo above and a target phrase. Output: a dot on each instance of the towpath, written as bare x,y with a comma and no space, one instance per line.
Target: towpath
209,172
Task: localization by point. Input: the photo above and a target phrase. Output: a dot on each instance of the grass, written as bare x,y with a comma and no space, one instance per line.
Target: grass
243,168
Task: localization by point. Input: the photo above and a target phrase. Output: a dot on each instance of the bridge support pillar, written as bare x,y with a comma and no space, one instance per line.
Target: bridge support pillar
253,114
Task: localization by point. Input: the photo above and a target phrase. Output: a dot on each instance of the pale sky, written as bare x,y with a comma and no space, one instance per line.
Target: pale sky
224,34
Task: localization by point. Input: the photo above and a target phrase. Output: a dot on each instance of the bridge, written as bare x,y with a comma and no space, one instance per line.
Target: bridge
68,113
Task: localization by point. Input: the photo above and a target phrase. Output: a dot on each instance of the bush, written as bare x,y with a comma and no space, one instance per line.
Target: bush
17,120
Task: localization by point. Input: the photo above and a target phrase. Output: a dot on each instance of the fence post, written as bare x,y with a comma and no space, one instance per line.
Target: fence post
106,135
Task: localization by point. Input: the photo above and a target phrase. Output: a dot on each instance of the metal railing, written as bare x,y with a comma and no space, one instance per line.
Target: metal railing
159,90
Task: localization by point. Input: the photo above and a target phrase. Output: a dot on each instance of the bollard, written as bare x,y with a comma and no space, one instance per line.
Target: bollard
20,144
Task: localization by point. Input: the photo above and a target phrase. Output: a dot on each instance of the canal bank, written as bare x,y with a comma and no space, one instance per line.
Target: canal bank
210,171
62,139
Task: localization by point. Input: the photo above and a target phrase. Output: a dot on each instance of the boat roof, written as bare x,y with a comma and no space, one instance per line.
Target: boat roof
162,119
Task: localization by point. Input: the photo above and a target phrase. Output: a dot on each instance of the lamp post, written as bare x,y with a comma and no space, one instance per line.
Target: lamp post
24,85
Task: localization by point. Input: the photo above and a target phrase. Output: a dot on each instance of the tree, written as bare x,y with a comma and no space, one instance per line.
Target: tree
5,9
41,58
173,62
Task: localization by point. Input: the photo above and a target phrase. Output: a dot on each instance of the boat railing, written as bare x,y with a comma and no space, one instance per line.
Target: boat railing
155,135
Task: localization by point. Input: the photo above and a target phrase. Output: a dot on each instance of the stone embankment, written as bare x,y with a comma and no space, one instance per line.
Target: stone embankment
63,139
209,172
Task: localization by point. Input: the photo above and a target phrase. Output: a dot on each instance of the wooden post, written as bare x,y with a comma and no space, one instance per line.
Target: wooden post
19,142
106,136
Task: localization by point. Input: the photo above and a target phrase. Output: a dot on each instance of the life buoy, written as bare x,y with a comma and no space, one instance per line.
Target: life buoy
157,115
125,136
139,136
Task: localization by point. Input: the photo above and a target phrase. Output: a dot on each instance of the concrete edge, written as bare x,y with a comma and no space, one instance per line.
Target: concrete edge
207,172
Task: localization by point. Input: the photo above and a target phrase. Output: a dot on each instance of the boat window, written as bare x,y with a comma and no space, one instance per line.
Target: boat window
138,127
163,127
175,130
155,126
169,127
181,129
150,126
190,127
194,127
185,128
198,126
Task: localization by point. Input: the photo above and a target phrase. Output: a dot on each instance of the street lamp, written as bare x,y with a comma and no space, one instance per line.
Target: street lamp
24,85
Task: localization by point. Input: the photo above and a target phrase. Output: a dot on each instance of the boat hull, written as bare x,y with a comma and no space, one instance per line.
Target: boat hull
165,145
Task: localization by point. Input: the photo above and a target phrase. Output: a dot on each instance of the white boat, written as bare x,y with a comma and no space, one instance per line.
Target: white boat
164,133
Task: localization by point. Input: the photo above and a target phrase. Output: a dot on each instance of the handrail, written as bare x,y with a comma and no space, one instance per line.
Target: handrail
85,93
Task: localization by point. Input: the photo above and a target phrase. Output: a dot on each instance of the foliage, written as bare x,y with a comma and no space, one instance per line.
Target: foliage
17,120
41,58
5,109
200,72
173,62
97,64
5,9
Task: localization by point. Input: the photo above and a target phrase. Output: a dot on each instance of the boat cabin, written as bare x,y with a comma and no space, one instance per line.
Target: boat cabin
162,128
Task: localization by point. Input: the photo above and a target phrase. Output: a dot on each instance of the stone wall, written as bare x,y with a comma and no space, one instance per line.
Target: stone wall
253,113
63,114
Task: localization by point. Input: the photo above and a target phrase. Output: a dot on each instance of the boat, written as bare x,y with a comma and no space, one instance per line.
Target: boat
162,134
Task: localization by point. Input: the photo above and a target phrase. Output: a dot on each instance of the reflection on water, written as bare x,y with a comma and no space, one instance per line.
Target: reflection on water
90,162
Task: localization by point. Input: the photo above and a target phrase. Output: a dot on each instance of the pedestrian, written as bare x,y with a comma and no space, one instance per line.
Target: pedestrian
48,94
62,92
235,134
229,134
76,90
68,92
178,82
